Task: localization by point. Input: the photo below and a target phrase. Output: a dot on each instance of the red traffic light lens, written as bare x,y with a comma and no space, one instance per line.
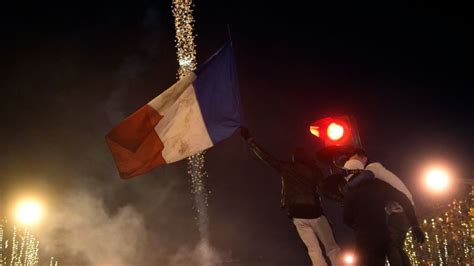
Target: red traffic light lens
335,131
336,136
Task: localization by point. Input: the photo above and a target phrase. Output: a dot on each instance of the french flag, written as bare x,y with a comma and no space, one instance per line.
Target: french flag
194,114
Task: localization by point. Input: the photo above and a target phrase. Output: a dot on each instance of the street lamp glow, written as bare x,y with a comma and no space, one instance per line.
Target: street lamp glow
437,179
348,259
29,212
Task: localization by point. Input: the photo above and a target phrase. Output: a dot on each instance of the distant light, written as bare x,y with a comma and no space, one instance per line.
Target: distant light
437,179
28,212
348,259
335,131
314,130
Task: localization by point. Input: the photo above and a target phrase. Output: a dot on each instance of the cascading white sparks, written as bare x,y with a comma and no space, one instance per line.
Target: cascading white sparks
185,47
186,52
25,248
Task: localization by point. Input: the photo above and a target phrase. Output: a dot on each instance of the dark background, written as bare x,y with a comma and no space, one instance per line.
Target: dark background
71,70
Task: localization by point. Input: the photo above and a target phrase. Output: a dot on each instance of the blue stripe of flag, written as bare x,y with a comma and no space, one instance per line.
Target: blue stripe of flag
217,91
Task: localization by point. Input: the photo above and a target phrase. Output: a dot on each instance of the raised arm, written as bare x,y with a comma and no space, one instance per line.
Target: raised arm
259,151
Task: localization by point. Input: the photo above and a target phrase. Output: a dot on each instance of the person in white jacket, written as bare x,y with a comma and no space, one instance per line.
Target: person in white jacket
397,222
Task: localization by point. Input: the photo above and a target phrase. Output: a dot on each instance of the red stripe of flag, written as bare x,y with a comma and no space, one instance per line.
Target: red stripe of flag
134,143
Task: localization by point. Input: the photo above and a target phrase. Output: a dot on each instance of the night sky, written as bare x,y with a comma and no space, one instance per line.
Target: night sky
74,69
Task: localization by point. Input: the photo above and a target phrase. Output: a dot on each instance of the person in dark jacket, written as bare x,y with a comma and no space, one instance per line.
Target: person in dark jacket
300,197
365,199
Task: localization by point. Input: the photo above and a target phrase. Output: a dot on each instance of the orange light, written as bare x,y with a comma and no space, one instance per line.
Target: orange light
348,258
314,130
335,131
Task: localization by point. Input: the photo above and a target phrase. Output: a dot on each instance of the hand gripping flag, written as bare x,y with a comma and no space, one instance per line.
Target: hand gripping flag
194,114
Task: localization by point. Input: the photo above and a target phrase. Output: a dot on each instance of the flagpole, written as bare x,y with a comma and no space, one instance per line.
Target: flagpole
229,34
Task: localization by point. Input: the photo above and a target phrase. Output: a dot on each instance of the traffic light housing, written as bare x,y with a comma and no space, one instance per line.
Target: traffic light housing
338,134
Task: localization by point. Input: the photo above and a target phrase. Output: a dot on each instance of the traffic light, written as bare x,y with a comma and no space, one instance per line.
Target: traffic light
338,135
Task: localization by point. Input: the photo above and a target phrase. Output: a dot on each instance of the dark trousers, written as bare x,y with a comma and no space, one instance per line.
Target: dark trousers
372,247
398,227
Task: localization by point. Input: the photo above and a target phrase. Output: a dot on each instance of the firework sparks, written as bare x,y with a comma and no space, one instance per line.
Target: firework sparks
184,24
186,52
